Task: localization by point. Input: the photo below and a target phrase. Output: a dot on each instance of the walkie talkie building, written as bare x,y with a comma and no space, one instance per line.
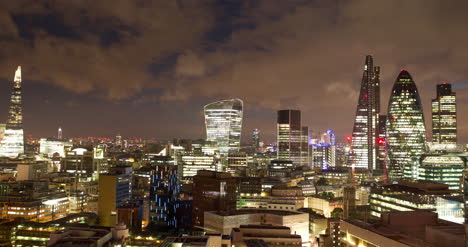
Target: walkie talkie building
223,120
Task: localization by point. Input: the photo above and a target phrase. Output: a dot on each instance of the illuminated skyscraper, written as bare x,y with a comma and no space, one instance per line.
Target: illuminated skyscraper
289,136
13,142
406,131
382,143
255,140
365,131
223,121
305,152
444,115
59,133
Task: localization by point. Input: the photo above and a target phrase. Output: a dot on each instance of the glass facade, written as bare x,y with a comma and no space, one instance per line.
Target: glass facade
406,132
397,197
223,121
291,138
13,140
365,130
444,115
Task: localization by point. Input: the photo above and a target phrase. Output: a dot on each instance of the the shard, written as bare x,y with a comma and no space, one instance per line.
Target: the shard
12,144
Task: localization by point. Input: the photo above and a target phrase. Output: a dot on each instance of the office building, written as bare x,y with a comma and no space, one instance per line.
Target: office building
382,145
289,136
237,163
212,240
190,164
223,222
444,115
12,143
406,131
223,121
164,196
365,131
417,195
256,141
402,229
50,147
441,168
114,191
212,191
264,235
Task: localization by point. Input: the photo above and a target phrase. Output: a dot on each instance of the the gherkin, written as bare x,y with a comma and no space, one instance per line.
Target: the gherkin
406,131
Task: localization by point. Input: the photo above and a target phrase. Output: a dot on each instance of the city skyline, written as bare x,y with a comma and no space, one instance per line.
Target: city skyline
224,63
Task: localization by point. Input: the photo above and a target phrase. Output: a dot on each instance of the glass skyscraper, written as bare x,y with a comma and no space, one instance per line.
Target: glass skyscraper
292,138
444,115
365,130
223,120
406,131
12,144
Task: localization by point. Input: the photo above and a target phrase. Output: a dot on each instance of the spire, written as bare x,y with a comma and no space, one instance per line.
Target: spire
12,144
59,134
18,75
15,113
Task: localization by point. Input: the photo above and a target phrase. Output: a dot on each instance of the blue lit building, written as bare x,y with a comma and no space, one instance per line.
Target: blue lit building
323,151
164,196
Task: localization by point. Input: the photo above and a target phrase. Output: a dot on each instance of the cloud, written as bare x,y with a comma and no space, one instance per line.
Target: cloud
102,47
272,54
189,64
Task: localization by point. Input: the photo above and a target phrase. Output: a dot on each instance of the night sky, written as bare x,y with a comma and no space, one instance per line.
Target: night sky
146,68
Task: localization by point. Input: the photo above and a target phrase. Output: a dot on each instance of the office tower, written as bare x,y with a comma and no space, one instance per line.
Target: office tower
12,144
223,120
289,134
59,133
212,191
256,140
164,193
382,144
114,191
305,152
190,164
118,140
363,142
349,201
444,115
406,132
323,151
465,196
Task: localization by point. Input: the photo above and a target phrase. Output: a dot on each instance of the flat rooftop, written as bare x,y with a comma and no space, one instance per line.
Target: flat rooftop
255,211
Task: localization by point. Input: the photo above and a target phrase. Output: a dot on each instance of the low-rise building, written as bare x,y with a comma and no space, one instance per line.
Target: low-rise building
224,222
271,235
403,229
411,196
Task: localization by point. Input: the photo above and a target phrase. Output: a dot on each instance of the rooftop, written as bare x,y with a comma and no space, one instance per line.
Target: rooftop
255,211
